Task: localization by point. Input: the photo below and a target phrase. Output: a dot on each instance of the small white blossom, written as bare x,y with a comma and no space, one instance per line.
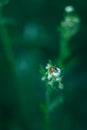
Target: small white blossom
49,76
70,26
60,85
69,9
43,78
48,66
58,78
56,72
50,83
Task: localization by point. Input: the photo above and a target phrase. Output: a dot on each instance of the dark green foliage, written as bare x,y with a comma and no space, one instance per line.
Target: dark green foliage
28,38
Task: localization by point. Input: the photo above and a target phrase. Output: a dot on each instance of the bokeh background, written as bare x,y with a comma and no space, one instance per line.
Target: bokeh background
32,28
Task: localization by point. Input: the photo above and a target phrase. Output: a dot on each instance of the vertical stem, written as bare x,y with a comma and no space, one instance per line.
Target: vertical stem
6,44
47,114
64,51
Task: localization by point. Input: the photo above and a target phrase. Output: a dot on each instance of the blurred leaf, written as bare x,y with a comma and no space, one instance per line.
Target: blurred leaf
43,107
3,3
42,70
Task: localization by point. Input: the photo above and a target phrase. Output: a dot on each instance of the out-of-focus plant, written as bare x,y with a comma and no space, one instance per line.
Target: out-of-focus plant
51,74
6,39
69,26
3,3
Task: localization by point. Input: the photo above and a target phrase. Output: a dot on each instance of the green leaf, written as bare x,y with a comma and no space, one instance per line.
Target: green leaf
42,70
3,3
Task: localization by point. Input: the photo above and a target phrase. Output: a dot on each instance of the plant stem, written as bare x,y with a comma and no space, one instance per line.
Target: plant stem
47,114
64,50
7,44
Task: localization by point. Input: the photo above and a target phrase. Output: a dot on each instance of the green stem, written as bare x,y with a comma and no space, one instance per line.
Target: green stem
64,50
47,114
7,45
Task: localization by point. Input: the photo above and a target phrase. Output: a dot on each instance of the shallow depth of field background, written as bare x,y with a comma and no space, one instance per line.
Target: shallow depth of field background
32,27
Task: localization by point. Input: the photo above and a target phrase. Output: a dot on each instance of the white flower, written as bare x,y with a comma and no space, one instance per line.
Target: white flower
69,9
48,66
49,76
56,72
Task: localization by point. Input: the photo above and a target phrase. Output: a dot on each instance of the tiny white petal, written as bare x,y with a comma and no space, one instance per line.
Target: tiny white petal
50,83
49,76
56,72
43,78
58,79
48,66
61,86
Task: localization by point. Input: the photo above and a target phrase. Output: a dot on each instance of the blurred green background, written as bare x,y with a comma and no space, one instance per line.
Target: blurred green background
33,39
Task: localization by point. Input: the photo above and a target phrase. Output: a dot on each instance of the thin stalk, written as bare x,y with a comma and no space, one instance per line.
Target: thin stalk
6,44
64,50
11,60
47,113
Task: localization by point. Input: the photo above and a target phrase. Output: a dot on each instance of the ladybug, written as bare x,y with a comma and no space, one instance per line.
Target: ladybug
52,69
